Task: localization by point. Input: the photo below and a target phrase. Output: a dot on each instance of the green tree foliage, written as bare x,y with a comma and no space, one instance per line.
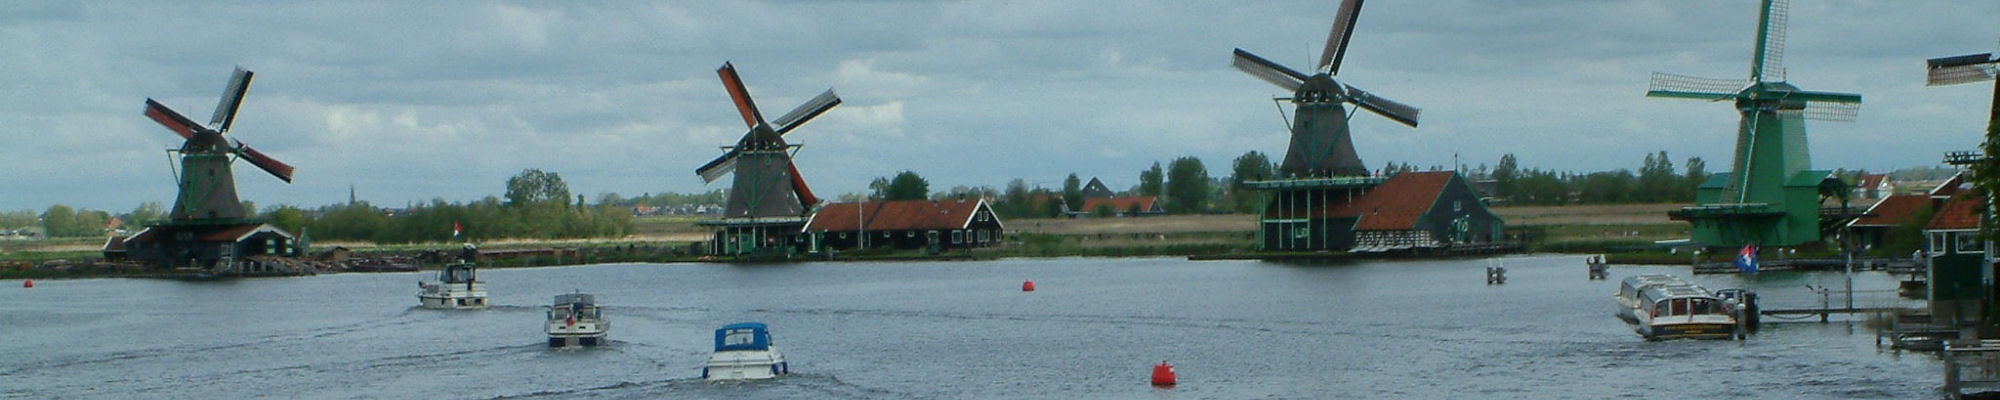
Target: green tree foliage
1251,166
1657,182
1072,193
291,219
1104,210
1985,177
1607,187
1697,172
19,219
907,185
59,221
146,212
1152,181
536,187
1187,188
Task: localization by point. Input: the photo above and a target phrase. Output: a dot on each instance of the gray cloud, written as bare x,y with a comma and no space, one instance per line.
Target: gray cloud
408,102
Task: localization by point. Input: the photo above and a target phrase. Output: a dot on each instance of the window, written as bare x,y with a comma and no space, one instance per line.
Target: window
1937,243
1457,205
957,237
1968,243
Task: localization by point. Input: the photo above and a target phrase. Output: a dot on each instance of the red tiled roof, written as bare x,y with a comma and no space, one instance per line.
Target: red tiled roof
1398,202
1961,212
1894,210
1871,180
1119,204
896,215
1950,187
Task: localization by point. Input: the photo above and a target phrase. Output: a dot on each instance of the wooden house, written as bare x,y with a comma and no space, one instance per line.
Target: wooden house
1886,215
1412,211
1096,189
1957,260
934,225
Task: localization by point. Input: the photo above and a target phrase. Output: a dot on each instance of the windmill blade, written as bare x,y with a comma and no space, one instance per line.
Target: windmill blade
799,186
1960,69
805,113
1268,71
1400,112
1336,41
172,120
715,169
1825,97
1689,87
1832,110
745,106
272,165
232,98
1769,65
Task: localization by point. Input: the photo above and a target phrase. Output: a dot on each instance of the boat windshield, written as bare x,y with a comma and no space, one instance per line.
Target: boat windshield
455,274
742,338
1686,306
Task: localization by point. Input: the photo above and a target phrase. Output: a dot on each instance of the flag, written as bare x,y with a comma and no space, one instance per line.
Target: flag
455,229
1746,260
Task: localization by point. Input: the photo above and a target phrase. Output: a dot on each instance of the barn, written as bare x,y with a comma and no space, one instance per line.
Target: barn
935,225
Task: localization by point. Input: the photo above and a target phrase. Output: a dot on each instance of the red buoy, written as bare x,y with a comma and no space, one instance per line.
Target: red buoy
1163,374
1028,286
28,283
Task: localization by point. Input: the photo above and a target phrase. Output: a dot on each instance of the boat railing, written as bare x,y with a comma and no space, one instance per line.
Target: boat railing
1971,364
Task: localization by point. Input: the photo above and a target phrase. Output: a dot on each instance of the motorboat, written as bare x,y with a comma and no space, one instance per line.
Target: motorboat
1661,306
457,287
576,320
744,351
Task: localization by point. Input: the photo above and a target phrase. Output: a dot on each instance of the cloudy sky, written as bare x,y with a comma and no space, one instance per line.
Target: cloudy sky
446,100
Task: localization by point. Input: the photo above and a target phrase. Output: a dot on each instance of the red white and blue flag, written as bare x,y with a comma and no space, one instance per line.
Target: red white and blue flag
455,229
1746,260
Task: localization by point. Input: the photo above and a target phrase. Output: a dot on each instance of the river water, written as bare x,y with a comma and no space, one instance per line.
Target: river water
955,330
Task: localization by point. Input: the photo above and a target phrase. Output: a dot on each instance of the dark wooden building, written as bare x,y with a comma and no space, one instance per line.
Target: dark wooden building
911,224
1410,211
206,246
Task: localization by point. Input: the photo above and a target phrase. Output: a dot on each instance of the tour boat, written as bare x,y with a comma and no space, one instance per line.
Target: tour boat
456,287
576,320
743,351
1664,307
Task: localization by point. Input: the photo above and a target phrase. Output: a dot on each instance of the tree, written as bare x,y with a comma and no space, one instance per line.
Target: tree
534,186
907,186
291,219
1073,191
1187,186
1697,173
1657,181
1506,177
1016,201
144,213
59,221
1251,166
1152,181
878,188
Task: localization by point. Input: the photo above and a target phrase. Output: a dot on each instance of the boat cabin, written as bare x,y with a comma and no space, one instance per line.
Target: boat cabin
578,305
1633,284
742,336
457,273
1679,300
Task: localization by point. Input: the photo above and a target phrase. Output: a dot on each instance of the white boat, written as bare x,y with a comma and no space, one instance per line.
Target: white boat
457,287
576,320
1665,307
744,351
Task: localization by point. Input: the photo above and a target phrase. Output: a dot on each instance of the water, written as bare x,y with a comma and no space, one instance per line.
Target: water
1093,329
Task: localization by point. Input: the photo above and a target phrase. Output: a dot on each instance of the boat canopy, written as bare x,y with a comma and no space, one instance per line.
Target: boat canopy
456,273
585,299
742,336
1634,284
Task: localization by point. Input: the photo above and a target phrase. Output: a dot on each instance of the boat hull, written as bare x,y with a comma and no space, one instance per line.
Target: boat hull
745,365
455,296
583,333
1712,330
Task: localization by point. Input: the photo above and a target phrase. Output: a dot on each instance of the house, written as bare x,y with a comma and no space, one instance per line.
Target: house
1873,186
1409,211
1956,259
1886,215
935,225
1128,206
204,245
1096,189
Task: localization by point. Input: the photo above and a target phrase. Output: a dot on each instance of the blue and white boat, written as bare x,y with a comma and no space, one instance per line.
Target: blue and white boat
576,320
744,351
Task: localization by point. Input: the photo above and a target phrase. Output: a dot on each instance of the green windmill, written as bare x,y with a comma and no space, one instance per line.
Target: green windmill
1770,196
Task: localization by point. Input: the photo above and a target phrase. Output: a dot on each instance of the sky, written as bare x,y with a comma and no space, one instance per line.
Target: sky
406,102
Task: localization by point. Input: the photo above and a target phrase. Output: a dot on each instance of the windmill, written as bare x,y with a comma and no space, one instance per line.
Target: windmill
208,226
1770,196
1321,144
768,194
1321,171
1968,69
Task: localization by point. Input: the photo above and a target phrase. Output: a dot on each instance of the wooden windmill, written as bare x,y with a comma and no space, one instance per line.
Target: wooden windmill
1770,196
1321,144
1321,170
768,200
208,227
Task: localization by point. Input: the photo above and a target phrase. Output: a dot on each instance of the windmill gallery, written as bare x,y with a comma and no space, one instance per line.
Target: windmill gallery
1322,198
